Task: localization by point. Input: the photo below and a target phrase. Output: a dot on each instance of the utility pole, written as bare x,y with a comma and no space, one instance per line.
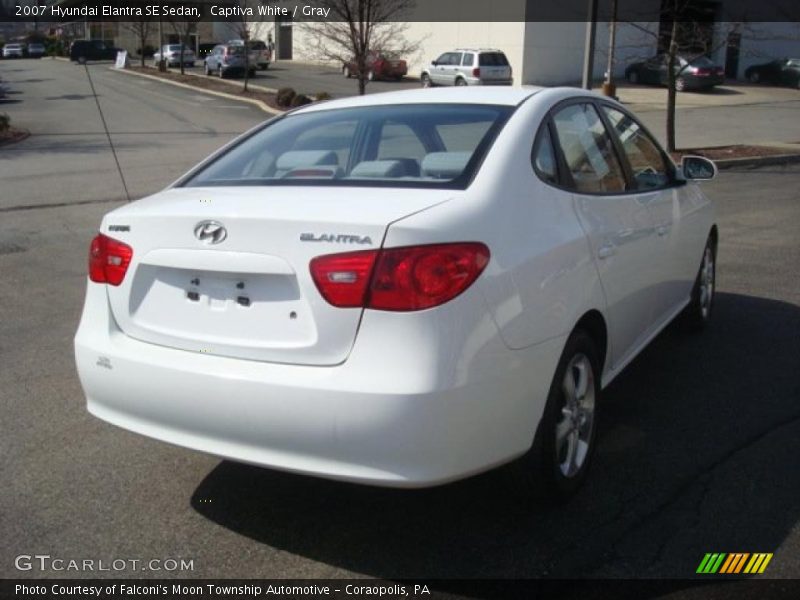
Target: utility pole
588,56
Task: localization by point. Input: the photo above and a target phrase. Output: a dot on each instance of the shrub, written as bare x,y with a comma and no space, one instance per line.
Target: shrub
284,97
5,123
300,100
323,96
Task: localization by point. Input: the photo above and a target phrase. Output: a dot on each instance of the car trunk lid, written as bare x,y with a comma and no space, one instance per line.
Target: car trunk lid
244,290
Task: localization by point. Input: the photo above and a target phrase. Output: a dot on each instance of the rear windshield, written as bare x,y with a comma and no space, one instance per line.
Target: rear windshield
257,45
492,59
702,61
176,48
414,145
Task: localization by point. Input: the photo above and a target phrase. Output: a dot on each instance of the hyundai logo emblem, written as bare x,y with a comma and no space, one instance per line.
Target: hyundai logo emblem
210,232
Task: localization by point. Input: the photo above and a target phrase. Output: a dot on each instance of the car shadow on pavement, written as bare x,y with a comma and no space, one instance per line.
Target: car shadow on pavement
698,440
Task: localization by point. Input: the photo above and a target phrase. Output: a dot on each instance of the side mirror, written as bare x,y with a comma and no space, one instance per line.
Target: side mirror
698,168
434,63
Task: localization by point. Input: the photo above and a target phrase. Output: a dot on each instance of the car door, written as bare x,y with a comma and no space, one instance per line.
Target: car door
465,67
652,180
447,71
437,69
617,224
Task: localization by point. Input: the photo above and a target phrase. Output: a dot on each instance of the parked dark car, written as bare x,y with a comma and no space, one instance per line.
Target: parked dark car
35,50
82,50
691,73
379,66
783,71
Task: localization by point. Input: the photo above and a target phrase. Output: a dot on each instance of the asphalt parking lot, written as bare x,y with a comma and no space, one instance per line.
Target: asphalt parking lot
699,438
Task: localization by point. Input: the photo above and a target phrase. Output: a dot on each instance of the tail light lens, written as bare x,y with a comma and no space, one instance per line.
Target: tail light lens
108,260
342,279
476,72
399,279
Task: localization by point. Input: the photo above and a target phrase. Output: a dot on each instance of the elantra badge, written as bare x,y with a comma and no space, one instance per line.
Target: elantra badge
210,232
338,238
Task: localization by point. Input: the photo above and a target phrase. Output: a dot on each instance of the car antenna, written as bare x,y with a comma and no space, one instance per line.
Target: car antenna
108,134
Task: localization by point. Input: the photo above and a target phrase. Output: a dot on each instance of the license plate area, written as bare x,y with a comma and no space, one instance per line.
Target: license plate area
221,311
220,293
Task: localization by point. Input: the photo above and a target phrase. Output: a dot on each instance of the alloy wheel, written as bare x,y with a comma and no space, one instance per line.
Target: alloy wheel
707,275
575,428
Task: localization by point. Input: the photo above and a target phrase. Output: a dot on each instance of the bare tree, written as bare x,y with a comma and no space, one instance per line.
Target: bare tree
354,28
241,29
141,29
182,30
679,36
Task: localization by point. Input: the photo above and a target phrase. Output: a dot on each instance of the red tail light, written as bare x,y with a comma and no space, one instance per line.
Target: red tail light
108,260
399,279
476,72
342,279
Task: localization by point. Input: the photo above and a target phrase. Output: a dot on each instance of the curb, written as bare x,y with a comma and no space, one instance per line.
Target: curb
261,88
267,109
758,161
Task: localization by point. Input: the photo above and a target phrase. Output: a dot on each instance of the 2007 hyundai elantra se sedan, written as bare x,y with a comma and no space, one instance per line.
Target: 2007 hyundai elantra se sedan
400,289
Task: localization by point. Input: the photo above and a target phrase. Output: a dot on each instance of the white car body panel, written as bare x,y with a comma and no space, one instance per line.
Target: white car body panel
403,399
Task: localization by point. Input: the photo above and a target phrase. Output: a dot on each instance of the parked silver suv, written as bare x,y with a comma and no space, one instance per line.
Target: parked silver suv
468,66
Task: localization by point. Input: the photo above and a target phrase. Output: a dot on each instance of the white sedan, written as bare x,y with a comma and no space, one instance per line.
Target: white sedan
399,289
171,54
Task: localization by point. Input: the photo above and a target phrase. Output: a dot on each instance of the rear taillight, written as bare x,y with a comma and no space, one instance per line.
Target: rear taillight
342,279
399,279
476,72
108,260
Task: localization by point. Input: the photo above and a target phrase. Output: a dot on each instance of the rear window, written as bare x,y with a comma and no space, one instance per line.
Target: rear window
256,45
702,61
492,59
418,145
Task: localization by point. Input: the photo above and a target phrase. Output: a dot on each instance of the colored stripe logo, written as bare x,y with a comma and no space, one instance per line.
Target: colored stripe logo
734,563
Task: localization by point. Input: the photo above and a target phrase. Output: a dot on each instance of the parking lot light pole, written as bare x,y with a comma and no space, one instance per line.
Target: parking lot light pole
588,55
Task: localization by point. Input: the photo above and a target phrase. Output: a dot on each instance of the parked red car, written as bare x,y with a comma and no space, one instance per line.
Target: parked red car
379,66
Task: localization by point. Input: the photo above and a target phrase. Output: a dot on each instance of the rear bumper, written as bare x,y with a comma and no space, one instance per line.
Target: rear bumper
395,422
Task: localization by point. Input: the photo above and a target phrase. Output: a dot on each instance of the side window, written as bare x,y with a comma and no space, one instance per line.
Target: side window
467,60
588,150
650,171
544,157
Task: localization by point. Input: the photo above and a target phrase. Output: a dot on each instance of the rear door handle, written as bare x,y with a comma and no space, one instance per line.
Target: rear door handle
606,251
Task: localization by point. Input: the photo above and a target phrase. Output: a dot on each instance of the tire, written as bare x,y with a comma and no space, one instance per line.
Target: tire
190,65
680,84
346,72
81,60
426,80
220,72
633,77
754,77
698,312
557,464
460,82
